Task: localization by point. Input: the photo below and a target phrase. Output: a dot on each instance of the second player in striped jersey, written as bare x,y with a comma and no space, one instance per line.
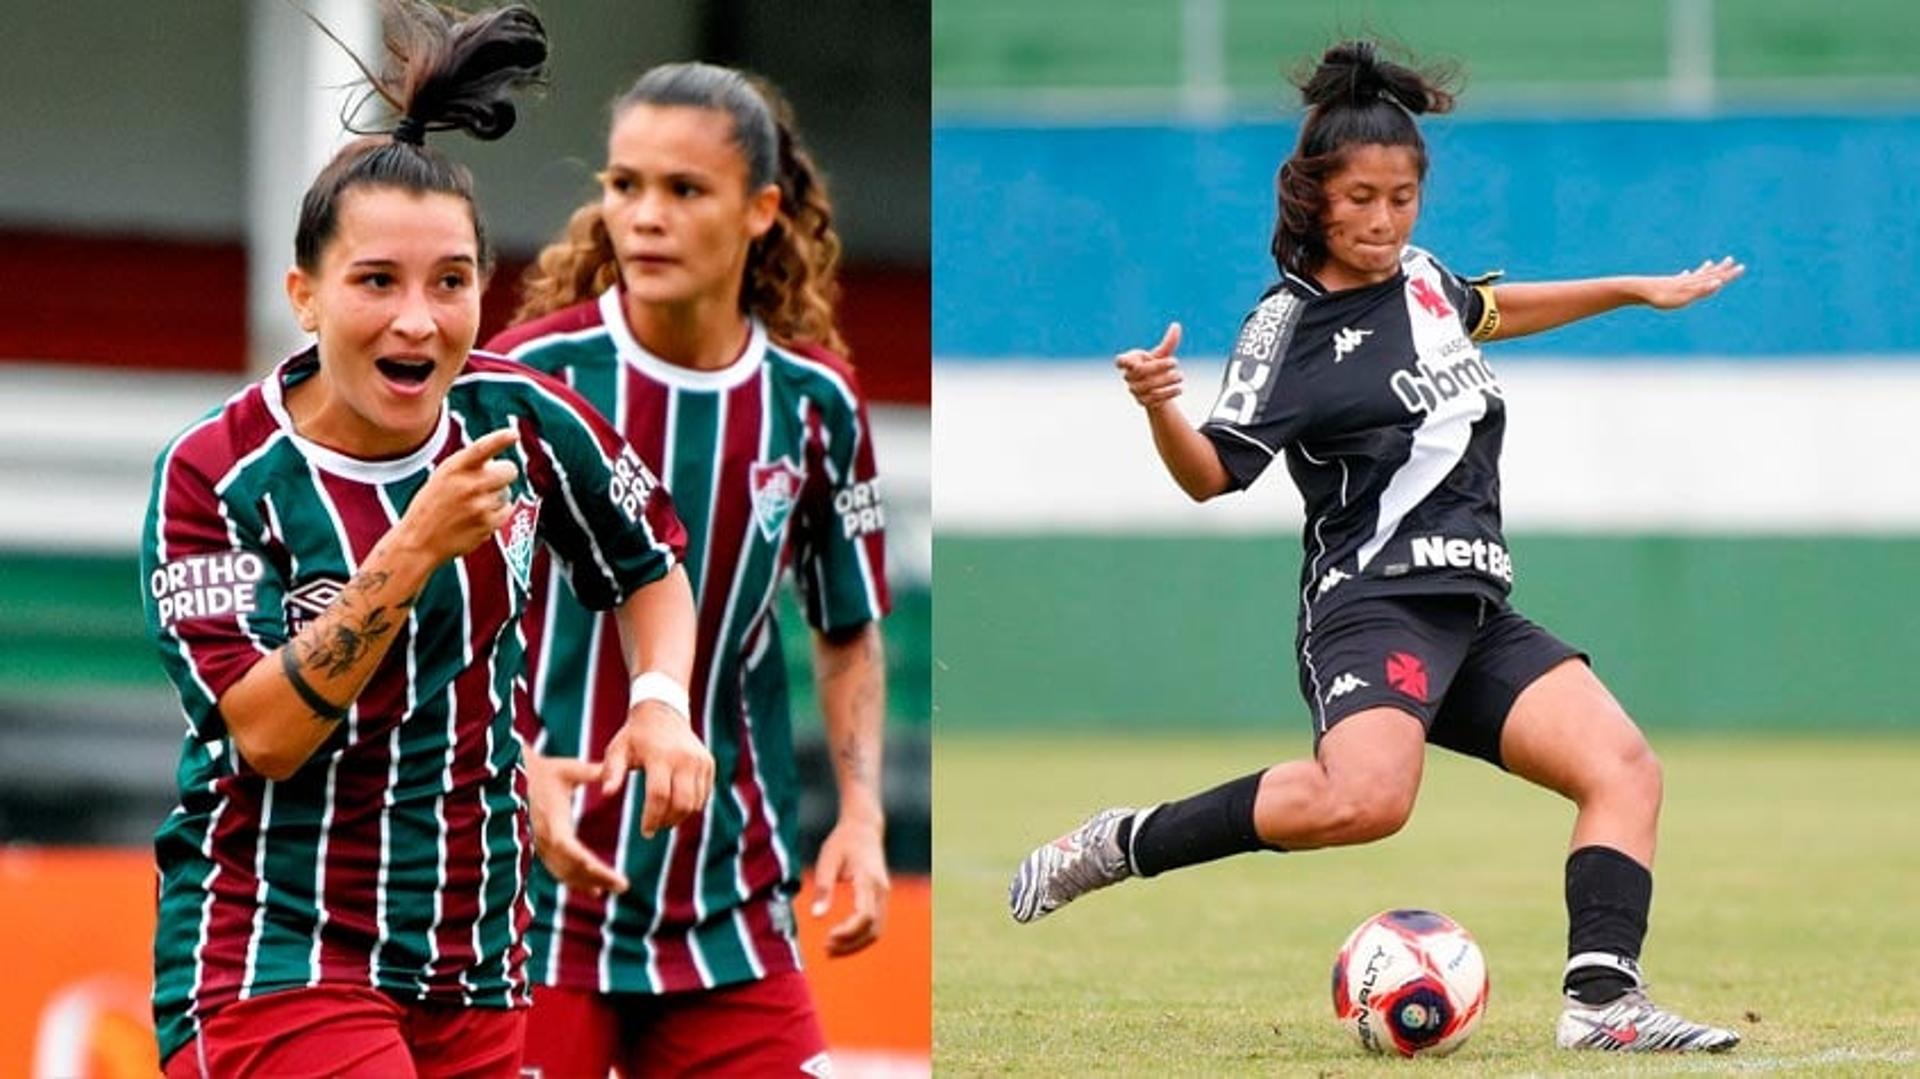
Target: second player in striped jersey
691,304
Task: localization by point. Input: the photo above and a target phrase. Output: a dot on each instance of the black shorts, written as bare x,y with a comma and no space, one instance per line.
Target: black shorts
1456,662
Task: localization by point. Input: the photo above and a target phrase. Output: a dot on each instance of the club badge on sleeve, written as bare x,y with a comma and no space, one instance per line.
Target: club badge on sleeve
776,487
517,538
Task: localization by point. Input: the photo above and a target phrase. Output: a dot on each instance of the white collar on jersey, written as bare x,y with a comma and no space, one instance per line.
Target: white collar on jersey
358,469
614,317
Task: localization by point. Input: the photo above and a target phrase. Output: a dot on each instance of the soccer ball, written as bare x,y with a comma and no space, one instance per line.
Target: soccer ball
1410,982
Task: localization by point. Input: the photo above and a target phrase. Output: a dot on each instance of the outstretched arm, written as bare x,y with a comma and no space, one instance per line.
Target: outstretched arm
1155,380
1531,308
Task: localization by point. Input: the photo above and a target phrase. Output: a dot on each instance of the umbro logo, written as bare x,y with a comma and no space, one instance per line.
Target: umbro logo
1346,339
1344,685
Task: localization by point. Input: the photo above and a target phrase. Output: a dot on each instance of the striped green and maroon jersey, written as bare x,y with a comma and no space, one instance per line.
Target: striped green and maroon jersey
772,468
396,857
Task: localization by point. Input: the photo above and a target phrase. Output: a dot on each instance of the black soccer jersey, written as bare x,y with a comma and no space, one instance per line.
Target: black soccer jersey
1391,424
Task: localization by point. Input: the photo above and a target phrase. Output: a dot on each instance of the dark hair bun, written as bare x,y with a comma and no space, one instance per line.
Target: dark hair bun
1353,73
459,75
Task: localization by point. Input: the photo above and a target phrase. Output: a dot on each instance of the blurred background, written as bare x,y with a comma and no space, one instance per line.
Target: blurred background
1717,500
154,157
1719,503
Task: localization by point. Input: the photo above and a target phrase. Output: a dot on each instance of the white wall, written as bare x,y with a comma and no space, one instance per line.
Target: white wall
1591,446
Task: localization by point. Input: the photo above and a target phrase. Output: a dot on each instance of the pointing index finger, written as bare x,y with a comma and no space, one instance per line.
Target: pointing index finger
485,446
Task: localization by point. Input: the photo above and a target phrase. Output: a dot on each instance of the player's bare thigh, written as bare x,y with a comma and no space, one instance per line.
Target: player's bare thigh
1567,733
1360,787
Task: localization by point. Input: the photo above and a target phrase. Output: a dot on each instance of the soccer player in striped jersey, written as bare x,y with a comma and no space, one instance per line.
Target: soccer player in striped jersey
336,563
692,303
1361,367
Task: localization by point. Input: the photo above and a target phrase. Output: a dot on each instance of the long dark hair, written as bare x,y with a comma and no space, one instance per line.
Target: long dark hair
448,74
790,273
1354,97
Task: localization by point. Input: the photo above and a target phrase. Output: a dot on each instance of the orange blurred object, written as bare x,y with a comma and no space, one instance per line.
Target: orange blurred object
79,935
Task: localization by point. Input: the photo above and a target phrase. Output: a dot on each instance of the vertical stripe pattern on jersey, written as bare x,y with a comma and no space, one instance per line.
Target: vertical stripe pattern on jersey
395,855
707,907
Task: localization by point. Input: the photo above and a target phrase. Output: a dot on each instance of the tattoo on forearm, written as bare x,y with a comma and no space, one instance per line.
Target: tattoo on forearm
341,638
341,645
856,764
323,709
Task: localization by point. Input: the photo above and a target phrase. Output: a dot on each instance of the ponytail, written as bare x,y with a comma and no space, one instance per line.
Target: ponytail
451,75
1354,97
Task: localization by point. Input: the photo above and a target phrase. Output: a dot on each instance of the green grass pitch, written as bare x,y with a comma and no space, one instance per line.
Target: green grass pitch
1786,904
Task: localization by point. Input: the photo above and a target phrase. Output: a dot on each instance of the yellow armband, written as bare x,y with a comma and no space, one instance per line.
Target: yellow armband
1489,323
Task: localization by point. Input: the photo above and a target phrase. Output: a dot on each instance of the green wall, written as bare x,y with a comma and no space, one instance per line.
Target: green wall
1000,44
1815,633
71,623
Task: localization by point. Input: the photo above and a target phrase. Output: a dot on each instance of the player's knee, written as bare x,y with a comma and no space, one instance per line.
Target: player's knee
1640,772
1364,816
1630,772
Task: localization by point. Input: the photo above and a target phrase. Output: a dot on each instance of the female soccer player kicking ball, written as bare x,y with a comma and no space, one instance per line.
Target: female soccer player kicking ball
1362,367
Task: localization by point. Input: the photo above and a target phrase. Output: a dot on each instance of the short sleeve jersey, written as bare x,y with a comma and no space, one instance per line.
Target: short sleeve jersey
396,856
1390,420
771,462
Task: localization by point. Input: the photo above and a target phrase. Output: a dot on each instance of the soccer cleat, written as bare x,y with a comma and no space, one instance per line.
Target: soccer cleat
1634,1024
1083,860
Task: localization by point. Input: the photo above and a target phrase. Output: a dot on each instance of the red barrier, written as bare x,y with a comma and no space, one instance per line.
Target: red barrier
77,929
181,305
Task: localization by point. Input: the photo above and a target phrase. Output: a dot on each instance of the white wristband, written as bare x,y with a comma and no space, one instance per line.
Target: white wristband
659,686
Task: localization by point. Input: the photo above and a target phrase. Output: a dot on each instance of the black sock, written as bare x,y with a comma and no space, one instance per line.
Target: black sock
1209,825
1608,895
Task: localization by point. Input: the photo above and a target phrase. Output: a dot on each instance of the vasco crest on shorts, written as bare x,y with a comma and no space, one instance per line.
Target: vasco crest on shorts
776,487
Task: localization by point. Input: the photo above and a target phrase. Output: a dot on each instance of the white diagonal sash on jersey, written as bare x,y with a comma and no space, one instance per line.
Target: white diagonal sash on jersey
1446,423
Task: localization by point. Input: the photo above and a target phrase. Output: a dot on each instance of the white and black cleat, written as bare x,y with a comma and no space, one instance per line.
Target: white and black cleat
1084,860
1632,1023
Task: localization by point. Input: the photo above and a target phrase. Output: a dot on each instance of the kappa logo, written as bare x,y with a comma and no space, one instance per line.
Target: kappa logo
1345,684
310,601
775,486
1333,576
1407,674
517,538
1429,298
1346,339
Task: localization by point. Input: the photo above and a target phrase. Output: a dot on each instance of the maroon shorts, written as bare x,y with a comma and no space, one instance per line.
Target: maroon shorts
766,1027
352,1032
